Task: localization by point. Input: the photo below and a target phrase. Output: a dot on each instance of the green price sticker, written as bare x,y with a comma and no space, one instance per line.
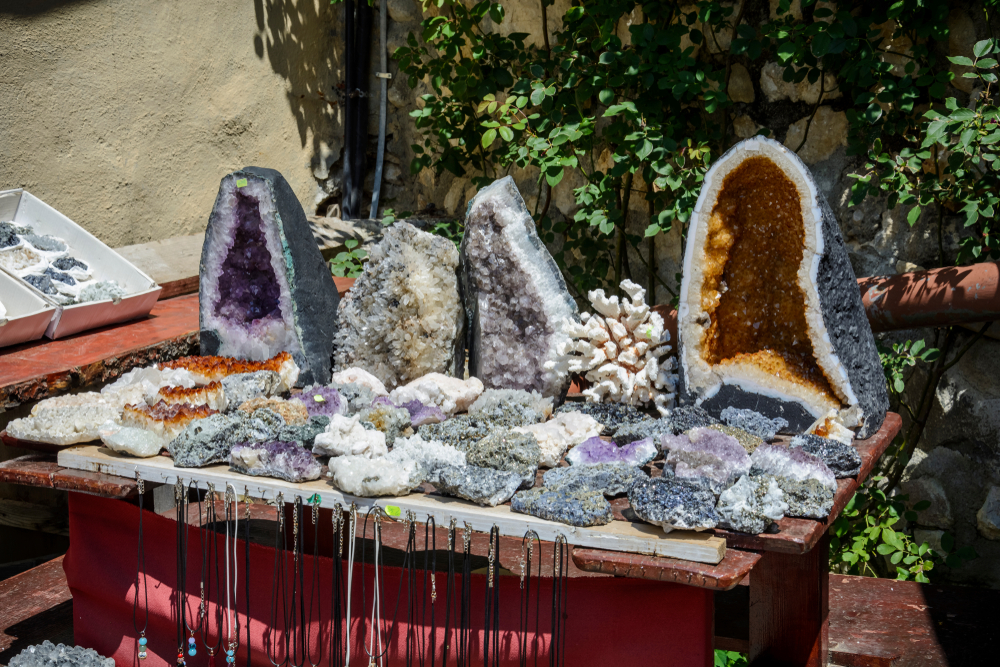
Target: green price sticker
392,510
319,398
241,182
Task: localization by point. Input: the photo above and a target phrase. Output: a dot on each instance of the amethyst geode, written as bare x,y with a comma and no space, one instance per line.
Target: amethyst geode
283,460
264,285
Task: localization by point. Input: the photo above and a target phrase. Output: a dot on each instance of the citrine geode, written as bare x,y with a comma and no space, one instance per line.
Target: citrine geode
264,285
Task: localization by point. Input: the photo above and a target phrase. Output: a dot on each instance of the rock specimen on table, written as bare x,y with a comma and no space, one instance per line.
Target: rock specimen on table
621,349
48,654
129,440
149,380
705,452
390,420
264,286
210,395
304,434
242,387
463,430
647,428
283,460
753,422
515,296
207,369
449,394
842,460
347,436
837,425
361,377
594,451
491,399
431,455
383,476
506,450
320,400
483,486
748,441
403,317
809,499
770,317
612,416
673,503
422,415
66,420
686,417
162,419
293,411
358,397
751,505
610,479
792,462
564,431
101,291
210,440
564,505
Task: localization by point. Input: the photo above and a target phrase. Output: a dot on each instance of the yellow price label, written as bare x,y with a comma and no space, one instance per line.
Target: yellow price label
241,182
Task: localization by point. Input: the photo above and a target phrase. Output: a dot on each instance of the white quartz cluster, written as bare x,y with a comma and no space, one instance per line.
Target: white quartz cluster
622,349
345,436
450,394
66,420
361,377
565,430
403,317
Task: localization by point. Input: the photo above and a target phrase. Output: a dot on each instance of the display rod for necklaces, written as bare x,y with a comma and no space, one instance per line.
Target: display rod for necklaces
210,546
491,633
314,501
192,642
527,555
278,581
411,581
232,514
336,588
140,569
378,646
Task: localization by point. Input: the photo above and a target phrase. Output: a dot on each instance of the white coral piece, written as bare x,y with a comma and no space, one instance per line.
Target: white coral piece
622,349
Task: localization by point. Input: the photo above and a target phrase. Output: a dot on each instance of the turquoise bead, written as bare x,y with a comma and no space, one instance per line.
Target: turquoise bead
142,641
192,652
230,652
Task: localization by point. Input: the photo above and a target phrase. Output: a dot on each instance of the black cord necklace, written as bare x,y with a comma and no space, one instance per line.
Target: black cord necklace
278,581
491,634
527,554
465,611
378,624
411,584
192,645
297,612
560,565
210,546
179,590
246,564
314,501
449,591
337,587
140,567
231,505
430,528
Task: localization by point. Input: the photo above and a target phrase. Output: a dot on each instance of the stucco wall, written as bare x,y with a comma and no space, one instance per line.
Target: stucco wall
125,115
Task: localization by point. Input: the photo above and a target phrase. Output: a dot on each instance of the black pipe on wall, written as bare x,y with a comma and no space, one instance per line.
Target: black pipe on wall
358,32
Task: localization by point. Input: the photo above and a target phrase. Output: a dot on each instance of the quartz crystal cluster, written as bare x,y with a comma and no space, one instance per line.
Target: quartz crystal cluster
751,504
264,286
403,318
163,419
347,436
561,433
596,451
48,654
360,377
66,420
808,484
491,399
320,400
515,296
705,452
451,395
285,460
208,368
612,416
621,349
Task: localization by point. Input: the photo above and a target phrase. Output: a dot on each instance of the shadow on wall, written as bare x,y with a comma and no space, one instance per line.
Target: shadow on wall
29,7
300,40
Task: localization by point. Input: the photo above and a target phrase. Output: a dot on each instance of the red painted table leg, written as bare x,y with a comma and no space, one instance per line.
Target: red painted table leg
789,607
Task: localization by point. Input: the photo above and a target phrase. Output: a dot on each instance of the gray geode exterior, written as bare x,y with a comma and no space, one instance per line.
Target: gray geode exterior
314,298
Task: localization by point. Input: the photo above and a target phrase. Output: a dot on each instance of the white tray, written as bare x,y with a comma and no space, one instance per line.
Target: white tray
141,291
27,313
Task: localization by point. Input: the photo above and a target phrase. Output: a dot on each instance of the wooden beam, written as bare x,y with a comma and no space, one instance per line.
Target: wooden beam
32,516
173,263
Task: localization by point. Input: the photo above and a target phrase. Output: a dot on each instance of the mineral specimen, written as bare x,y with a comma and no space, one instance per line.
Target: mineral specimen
47,654
130,440
431,455
264,285
751,505
621,350
748,441
483,486
492,399
705,452
346,436
100,291
610,479
808,499
209,440
305,434
75,266
45,242
595,450
842,460
320,400
361,377
368,477
422,415
166,420
515,296
793,463
59,276
151,379
770,317
565,430
358,396
837,425
10,234
66,420
565,505
752,421
293,411
284,460
242,387
449,394
686,417
207,369
42,283
673,503
610,415
517,452
647,428
390,420
210,395
403,317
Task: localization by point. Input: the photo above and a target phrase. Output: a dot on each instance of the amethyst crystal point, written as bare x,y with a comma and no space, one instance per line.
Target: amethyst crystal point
264,285
705,452
320,400
421,415
843,460
594,451
673,503
794,463
574,507
285,460
515,296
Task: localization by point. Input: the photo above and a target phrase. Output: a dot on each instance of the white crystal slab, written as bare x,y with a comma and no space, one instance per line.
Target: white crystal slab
623,536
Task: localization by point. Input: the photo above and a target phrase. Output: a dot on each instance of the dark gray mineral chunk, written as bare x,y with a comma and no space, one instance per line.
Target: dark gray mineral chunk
210,440
809,499
391,421
640,430
304,434
484,486
506,450
610,479
686,417
843,460
59,276
242,387
464,430
10,234
69,263
572,507
674,503
753,422
612,416
751,505
42,283
265,287
358,396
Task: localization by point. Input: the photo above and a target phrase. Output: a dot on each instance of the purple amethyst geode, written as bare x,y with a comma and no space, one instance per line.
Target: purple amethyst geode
705,452
264,287
421,415
320,400
289,461
594,451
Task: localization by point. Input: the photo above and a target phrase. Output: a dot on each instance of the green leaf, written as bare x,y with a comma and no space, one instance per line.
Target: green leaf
506,134
913,215
645,149
488,137
921,506
986,63
496,13
980,49
961,60
606,96
885,549
537,96
948,542
652,230
873,113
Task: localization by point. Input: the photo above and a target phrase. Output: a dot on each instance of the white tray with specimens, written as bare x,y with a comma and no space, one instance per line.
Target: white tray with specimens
24,315
623,536
141,292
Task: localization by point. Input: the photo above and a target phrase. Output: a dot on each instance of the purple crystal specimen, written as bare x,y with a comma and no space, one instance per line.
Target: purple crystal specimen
421,414
284,460
594,450
794,463
320,400
705,452
248,287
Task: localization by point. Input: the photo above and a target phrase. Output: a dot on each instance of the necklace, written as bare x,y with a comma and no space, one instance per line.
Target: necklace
527,553
231,505
430,528
560,564
280,565
377,625
350,576
209,546
140,567
336,593
492,629
192,647
449,591
465,610
179,590
314,501
297,612
246,564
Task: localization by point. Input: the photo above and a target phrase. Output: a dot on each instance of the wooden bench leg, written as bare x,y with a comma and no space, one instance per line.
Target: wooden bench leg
789,607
